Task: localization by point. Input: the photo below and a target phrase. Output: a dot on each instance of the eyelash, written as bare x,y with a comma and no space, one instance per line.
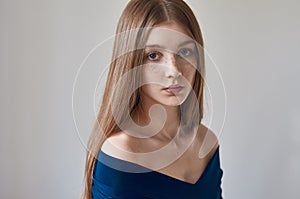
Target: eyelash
190,51
151,53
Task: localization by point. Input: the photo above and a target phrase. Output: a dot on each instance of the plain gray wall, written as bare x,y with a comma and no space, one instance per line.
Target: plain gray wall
255,45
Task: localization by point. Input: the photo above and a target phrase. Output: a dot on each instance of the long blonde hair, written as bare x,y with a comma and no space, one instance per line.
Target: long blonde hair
140,14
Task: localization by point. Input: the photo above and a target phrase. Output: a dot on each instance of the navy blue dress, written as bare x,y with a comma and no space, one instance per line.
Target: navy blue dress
119,179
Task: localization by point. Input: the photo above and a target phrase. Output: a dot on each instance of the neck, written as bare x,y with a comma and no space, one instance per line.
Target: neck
170,127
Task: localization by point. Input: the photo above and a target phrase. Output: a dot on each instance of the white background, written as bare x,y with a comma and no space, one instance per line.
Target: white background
255,45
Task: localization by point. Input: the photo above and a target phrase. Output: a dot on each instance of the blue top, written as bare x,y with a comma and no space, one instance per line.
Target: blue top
119,179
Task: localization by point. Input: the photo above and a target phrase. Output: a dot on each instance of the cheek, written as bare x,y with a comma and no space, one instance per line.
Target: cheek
190,73
150,79
152,74
149,89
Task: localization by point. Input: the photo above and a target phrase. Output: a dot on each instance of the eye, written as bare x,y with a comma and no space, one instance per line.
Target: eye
153,56
185,52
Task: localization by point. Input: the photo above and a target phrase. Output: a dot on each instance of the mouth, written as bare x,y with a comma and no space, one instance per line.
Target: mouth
174,88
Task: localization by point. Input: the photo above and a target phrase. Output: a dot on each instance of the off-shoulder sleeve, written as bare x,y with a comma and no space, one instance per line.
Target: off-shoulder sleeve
102,191
116,179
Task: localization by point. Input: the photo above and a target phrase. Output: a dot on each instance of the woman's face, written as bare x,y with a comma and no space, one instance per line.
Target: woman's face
169,65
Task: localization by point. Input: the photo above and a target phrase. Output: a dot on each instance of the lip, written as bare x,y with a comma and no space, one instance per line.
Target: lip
176,88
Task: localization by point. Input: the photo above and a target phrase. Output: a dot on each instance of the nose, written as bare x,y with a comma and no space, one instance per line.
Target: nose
172,67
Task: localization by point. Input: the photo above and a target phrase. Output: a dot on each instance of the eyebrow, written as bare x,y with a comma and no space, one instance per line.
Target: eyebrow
180,45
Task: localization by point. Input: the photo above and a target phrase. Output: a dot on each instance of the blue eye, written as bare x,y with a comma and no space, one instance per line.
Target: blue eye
153,56
184,52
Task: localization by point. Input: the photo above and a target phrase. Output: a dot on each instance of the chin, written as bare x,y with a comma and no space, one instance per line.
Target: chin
172,103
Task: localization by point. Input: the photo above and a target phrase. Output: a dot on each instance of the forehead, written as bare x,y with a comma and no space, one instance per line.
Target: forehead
168,36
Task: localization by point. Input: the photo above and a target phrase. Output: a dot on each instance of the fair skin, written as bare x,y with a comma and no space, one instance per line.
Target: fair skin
171,60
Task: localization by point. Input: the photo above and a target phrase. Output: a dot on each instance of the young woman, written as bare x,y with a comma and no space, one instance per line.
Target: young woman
148,140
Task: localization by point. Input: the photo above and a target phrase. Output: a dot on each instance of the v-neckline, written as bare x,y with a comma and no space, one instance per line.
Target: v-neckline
186,182
174,179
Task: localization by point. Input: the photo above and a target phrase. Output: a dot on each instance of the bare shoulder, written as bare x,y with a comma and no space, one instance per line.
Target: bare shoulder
209,142
120,145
